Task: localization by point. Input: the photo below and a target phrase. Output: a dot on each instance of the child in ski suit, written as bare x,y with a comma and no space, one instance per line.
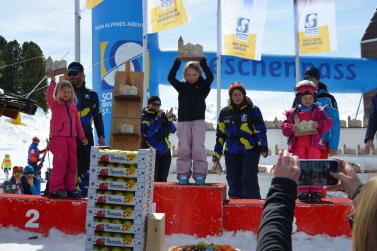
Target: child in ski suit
13,185
156,126
65,126
29,182
242,129
191,126
33,154
6,165
308,146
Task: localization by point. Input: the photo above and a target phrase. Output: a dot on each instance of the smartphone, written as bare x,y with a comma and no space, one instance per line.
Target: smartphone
317,172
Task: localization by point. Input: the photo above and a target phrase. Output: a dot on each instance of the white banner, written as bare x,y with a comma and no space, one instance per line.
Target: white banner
316,26
166,14
242,28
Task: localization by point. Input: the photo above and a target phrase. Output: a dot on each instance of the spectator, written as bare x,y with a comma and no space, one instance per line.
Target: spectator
241,127
14,184
89,110
33,154
276,226
29,182
372,125
6,165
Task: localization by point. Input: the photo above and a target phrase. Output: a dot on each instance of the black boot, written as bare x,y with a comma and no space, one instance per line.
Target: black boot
74,194
61,194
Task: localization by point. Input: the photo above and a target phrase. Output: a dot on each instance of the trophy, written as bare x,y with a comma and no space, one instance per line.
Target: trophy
189,52
304,128
57,67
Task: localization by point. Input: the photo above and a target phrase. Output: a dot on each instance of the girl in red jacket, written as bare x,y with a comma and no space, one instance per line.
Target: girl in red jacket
65,126
306,123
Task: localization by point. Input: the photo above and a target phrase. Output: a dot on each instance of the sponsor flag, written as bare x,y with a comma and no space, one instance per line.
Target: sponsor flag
316,26
242,28
90,4
166,14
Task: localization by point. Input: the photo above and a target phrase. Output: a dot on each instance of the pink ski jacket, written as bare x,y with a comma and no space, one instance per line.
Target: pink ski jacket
65,120
324,124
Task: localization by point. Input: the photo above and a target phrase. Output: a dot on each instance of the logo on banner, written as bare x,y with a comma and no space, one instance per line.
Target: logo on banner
311,25
166,4
242,29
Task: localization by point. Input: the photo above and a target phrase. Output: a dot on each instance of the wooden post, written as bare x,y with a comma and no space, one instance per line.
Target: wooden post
155,232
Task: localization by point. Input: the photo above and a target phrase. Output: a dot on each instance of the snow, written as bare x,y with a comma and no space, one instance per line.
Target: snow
15,140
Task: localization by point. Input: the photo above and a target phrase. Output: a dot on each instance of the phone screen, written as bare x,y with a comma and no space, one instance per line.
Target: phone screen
318,172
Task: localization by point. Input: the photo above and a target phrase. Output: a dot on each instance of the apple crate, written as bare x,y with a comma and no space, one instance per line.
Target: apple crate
117,212
118,198
120,171
114,226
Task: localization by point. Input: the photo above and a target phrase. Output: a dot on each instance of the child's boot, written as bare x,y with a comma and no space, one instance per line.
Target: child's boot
183,180
199,181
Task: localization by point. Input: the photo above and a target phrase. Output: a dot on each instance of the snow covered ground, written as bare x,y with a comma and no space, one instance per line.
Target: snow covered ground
15,140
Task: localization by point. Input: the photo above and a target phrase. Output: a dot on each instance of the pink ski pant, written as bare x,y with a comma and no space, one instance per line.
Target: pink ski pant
191,150
64,171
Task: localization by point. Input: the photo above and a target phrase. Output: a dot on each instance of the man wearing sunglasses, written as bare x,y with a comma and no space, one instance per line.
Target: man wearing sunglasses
89,109
328,101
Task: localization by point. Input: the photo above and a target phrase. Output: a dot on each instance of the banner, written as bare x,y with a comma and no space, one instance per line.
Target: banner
165,14
117,33
90,4
242,28
316,26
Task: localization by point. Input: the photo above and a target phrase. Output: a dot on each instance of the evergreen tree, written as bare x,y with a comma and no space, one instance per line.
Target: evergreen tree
3,42
11,75
33,72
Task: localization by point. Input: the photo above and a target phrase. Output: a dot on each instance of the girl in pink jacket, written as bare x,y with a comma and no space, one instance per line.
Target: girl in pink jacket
306,142
65,126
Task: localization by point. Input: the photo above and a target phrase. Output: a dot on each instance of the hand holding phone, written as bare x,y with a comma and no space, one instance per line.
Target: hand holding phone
318,172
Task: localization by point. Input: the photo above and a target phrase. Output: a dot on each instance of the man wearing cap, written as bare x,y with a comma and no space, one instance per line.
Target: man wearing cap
89,109
326,100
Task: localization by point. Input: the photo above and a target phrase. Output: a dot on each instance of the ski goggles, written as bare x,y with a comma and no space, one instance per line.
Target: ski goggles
18,169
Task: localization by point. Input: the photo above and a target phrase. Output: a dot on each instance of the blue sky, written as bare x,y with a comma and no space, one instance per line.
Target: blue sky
51,25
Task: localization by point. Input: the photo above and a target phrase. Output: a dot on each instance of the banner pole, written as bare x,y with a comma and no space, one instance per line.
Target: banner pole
297,49
145,50
218,64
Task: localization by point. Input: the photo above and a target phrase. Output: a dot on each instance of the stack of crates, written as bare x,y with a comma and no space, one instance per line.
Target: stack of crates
119,199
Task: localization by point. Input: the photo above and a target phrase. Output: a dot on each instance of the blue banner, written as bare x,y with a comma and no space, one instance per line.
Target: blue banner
117,28
272,73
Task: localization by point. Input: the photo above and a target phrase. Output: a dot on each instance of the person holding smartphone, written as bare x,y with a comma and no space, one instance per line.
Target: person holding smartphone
156,126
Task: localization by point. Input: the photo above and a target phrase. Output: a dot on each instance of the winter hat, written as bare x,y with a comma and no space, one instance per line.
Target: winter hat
153,99
312,72
18,169
28,169
234,86
35,139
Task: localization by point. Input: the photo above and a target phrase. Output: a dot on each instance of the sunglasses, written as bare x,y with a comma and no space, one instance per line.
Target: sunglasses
73,74
308,77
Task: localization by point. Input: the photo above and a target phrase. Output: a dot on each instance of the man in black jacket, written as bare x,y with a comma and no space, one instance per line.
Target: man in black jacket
276,227
372,125
89,109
